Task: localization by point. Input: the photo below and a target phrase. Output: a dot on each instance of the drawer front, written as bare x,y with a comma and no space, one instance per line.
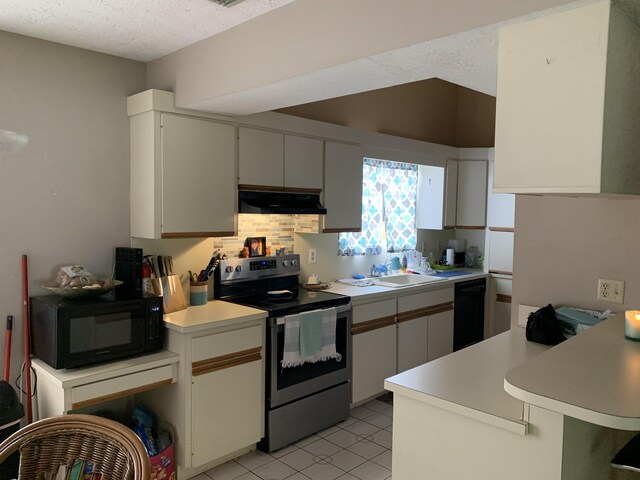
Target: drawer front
374,311
417,301
226,343
123,386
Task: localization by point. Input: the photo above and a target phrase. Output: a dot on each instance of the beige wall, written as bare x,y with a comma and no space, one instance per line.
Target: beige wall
563,245
430,110
65,195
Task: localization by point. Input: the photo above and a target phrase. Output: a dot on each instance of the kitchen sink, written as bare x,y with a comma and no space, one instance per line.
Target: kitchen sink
405,279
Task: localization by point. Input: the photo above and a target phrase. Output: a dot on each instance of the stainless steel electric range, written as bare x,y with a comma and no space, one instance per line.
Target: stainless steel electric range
299,400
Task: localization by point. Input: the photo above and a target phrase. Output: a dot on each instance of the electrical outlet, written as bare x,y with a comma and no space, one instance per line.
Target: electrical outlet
312,255
611,290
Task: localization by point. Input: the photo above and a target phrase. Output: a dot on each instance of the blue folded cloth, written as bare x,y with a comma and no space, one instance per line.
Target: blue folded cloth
310,333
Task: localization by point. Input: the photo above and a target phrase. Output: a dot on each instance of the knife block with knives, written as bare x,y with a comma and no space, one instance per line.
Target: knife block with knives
167,285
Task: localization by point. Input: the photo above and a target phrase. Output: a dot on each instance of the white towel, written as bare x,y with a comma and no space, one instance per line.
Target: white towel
291,356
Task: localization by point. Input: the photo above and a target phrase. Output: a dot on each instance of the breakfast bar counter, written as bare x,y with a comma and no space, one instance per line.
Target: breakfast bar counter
565,413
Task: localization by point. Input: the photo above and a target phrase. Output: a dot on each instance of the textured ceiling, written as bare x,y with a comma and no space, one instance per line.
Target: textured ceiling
137,29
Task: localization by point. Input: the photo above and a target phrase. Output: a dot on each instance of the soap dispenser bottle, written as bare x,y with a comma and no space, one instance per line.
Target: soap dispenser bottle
404,262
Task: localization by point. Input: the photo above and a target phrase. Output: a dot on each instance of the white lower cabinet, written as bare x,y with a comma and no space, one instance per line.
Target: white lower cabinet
500,303
374,348
425,327
216,409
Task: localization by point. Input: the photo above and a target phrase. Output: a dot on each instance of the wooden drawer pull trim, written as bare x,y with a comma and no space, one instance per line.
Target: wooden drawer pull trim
369,325
226,361
503,298
422,312
444,307
502,229
500,272
124,393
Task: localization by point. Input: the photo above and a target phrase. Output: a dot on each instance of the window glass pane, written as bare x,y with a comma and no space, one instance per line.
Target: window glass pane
388,209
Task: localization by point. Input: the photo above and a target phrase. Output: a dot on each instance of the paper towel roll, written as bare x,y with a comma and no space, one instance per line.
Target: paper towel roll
451,259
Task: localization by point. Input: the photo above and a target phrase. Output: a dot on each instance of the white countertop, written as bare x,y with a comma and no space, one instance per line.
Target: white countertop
374,292
594,376
470,381
215,312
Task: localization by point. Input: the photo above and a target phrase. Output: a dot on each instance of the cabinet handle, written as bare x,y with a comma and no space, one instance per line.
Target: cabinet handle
423,312
226,361
369,325
503,298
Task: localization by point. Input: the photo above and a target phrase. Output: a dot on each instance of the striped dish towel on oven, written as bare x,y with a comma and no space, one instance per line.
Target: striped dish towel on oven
295,333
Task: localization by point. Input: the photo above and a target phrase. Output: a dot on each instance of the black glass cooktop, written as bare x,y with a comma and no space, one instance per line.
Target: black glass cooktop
299,300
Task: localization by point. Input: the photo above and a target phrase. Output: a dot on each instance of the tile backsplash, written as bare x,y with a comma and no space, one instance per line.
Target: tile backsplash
278,229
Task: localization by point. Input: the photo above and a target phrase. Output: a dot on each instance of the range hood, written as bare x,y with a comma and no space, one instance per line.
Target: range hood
280,203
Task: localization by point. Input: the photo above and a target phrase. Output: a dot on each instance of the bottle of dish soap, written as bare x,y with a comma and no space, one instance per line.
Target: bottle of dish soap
404,262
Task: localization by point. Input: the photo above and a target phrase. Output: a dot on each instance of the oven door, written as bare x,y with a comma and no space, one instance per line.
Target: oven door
285,385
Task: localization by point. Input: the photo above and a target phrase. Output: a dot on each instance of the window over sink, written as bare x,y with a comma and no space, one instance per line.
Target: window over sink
389,191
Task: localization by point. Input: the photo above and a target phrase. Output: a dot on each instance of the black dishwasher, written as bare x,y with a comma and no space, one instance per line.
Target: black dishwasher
468,323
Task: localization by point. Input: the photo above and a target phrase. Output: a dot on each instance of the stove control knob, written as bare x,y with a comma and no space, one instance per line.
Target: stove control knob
285,263
239,268
229,269
294,263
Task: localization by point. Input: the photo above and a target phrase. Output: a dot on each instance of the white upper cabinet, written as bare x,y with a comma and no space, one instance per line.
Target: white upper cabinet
500,206
430,202
451,193
282,161
472,194
182,176
342,187
303,163
568,103
260,157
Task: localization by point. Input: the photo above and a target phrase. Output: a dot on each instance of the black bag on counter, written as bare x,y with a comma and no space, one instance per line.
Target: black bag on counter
543,327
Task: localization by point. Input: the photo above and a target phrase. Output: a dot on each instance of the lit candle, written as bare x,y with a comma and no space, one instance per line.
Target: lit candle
632,325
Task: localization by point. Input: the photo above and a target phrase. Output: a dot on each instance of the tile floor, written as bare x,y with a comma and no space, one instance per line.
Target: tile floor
357,449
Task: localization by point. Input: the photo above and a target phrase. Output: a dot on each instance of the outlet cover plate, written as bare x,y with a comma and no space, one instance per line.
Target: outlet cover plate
611,290
313,255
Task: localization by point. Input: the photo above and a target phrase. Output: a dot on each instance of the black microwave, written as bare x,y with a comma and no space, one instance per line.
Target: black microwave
70,333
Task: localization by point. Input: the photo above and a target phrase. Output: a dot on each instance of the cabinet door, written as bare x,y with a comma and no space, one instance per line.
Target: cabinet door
227,393
500,206
500,304
226,411
500,252
303,162
549,109
472,193
440,335
260,157
374,359
342,188
430,202
413,344
451,193
198,177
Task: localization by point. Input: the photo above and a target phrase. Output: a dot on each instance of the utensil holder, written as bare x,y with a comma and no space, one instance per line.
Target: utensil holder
198,293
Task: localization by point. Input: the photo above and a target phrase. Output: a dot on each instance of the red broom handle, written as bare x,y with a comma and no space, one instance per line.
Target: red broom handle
7,349
26,334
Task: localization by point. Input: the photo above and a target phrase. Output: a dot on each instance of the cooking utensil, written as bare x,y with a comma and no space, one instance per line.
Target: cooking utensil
170,261
161,270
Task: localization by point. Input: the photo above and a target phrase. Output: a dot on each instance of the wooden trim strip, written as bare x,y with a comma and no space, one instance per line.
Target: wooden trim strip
226,361
503,298
198,234
124,393
423,312
369,325
340,230
470,227
502,229
500,272
449,227
272,188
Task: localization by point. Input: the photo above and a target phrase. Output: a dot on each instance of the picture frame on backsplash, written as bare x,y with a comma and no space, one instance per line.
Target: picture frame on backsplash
257,246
